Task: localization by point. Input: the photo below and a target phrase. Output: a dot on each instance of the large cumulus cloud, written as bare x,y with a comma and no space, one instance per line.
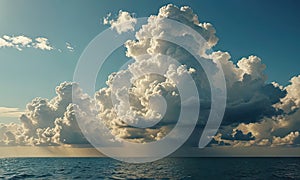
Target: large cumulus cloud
149,52
250,97
257,113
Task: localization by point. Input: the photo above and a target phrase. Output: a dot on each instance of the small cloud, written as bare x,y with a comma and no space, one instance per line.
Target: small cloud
17,42
4,42
106,19
69,47
20,42
6,37
125,22
43,44
10,112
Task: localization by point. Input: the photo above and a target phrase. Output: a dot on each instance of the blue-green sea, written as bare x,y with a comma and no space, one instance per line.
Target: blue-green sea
168,168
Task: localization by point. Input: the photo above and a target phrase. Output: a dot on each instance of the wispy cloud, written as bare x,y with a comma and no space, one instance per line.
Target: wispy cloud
70,47
10,112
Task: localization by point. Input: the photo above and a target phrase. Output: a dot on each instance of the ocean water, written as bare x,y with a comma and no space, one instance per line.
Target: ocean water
168,168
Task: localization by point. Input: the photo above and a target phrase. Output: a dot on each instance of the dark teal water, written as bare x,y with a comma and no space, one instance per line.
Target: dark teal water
169,168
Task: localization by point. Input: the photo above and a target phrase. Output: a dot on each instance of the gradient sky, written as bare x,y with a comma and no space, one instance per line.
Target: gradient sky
267,29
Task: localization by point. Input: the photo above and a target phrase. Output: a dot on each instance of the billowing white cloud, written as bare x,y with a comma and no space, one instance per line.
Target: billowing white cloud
147,90
47,122
125,22
258,113
9,133
291,101
249,96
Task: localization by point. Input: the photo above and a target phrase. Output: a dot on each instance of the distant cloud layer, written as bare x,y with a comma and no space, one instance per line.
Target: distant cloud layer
258,113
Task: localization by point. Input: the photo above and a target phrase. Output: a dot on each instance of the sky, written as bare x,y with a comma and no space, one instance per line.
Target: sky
267,29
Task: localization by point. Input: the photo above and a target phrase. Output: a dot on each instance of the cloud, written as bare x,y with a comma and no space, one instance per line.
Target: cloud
278,130
251,101
125,22
20,42
8,133
69,47
258,113
17,42
42,43
287,140
291,101
47,122
10,112
5,43
250,97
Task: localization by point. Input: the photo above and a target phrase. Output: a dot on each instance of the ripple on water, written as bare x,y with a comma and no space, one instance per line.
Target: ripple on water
169,168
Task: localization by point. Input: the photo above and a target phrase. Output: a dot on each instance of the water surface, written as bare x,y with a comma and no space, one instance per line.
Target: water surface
168,168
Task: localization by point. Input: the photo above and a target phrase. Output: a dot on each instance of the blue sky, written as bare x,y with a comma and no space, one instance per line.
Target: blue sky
41,43
268,29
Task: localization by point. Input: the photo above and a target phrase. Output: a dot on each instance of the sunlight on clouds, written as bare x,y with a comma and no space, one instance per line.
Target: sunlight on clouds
278,130
258,113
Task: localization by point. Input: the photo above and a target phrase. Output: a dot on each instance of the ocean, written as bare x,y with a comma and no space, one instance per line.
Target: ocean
168,168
